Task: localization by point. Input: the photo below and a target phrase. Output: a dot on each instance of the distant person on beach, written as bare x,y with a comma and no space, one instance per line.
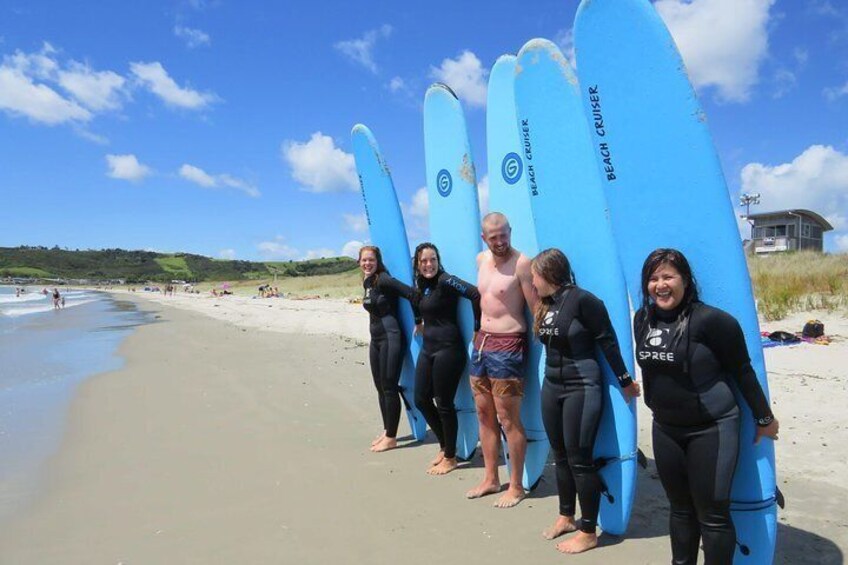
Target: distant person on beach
444,353
690,353
497,363
56,298
387,340
572,323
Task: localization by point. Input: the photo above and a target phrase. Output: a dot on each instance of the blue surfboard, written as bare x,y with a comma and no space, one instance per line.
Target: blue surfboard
570,213
385,224
508,194
665,188
454,224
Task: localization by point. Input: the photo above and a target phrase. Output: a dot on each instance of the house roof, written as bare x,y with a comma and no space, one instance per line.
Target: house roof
798,211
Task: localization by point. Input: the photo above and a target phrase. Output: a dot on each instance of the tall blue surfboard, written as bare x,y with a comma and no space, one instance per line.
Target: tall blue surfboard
570,213
385,224
454,224
508,194
665,188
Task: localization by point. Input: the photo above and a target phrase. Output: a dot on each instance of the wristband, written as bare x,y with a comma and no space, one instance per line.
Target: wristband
765,421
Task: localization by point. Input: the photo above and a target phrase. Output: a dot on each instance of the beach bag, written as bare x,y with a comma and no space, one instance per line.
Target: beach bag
813,329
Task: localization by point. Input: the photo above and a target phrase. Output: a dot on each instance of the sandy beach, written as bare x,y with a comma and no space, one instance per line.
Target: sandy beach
237,432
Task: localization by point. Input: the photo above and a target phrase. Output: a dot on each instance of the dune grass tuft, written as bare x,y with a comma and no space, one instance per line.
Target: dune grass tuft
796,282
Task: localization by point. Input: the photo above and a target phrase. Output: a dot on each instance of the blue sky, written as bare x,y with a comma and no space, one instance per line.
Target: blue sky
222,128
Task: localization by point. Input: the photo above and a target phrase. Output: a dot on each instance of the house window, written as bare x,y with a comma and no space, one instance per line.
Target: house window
805,230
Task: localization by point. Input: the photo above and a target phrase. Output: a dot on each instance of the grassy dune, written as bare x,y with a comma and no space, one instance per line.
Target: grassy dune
796,282
340,285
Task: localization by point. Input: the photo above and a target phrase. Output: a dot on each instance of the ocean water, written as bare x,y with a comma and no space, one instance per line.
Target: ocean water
44,355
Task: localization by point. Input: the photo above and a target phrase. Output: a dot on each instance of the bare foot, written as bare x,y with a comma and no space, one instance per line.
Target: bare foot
385,444
511,498
378,438
563,525
579,543
438,458
445,466
483,489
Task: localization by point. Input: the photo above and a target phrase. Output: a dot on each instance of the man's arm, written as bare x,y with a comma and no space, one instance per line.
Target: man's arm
522,269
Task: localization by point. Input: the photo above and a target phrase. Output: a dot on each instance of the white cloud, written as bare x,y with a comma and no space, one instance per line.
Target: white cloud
483,195
564,39
96,90
416,215
319,166
351,248
277,249
227,254
841,242
155,78
723,42
197,176
784,81
320,253
22,95
357,223
126,167
361,50
200,177
833,93
397,84
192,37
816,180
466,76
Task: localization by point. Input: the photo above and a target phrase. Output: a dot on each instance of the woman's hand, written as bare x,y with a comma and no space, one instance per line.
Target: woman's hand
419,329
766,431
631,391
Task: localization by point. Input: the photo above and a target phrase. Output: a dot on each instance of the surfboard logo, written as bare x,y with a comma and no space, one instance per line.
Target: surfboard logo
444,182
511,168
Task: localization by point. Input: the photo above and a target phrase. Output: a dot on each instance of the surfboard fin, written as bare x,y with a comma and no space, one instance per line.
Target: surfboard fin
778,496
641,459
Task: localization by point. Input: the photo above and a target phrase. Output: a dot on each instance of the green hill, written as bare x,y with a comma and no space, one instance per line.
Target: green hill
140,266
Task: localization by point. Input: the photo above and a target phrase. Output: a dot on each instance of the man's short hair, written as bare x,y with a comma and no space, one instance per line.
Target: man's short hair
493,219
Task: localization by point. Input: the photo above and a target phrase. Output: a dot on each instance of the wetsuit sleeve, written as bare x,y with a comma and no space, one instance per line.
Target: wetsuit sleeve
466,290
725,339
594,316
390,285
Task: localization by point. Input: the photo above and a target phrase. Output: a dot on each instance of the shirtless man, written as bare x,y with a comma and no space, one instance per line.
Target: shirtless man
505,284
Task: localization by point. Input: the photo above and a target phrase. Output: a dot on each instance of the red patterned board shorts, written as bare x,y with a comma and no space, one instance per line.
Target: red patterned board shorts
497,365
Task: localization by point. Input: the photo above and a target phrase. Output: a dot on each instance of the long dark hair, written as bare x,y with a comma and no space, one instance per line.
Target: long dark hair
676,259
416,276
553,266
381,267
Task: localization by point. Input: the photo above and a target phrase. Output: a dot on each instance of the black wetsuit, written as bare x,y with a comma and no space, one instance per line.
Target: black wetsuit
572,394
687,369
444,354
387,343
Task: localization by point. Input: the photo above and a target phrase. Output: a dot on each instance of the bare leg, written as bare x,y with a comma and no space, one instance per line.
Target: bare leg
385,444
509,413
490,439
438,458
579,543
563,525
445,466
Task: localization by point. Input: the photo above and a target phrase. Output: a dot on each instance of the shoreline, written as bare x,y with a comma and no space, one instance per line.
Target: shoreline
218,443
